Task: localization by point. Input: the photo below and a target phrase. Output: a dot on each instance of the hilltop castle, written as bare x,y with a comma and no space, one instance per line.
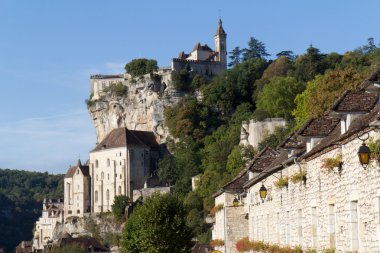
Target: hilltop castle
201,60
129,130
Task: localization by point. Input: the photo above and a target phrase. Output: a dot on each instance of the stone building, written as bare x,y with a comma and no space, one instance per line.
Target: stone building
202,59
319,196
52,215
120,163
77,191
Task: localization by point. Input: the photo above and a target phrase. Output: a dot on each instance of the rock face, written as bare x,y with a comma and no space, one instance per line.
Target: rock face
141,107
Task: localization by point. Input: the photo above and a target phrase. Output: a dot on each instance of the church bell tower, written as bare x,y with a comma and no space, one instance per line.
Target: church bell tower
220,39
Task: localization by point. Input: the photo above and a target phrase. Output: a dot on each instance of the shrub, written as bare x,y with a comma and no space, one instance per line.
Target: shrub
118,207
244,245
216,243
299,176
374,148
118,89
282,182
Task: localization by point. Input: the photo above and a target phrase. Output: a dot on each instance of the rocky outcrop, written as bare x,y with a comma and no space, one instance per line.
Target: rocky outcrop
93,226
141,107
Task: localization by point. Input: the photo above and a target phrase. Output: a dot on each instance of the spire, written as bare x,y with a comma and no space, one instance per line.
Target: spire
79,163
220,30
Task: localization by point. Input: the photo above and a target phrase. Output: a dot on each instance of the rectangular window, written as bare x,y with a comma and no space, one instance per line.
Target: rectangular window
314,225
354,226
278,228
267,227
332,225
287,232
300,226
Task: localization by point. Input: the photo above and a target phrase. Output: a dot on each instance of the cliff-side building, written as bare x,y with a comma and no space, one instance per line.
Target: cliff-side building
52,214
202,59
77,190
119,164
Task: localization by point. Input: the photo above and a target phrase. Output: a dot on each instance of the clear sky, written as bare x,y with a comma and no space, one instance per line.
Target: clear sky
48,50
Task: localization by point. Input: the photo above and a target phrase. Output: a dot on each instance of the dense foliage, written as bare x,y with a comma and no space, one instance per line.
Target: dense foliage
21,196
140,67
118,207
158,225
207,130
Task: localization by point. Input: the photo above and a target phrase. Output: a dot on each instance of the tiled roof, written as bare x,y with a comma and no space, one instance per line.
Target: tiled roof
262,160
83,168
121,137
355,101
199,47
257,164
293,141
319,127
275,166
336,139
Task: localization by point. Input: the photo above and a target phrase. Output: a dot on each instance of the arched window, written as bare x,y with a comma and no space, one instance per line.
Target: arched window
108,162
96,164
108,195
102,176
119,190
96,196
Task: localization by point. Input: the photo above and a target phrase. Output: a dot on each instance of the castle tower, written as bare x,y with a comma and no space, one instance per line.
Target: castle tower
220,39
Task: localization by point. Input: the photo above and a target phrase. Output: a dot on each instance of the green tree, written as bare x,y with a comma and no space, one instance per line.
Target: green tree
167,170
235,57
323,90
277,98
140,67
310,64
156,226
238,158
256,49
118,207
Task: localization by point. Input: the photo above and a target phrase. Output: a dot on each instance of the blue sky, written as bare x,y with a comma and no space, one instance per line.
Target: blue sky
48,50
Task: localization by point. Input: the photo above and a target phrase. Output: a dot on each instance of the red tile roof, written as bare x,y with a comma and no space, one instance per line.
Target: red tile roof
83,168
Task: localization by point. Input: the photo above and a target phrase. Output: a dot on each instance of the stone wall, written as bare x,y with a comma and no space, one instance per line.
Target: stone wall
253,132
331,210
207,68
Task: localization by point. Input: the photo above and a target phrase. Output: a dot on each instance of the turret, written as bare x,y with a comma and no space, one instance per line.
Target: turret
220,39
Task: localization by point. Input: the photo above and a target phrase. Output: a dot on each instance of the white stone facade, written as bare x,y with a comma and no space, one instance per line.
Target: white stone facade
77,191
117,171
52,215
332,210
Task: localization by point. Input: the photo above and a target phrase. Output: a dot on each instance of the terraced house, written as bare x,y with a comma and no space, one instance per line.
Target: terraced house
319,190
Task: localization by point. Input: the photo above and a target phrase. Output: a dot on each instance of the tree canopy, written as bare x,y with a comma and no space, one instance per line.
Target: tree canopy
156,226
140,67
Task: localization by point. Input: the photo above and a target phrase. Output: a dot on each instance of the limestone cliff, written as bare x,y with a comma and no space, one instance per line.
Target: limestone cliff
139,107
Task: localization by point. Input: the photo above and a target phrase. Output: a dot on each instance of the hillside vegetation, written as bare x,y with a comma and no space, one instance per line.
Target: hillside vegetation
21,196
207,130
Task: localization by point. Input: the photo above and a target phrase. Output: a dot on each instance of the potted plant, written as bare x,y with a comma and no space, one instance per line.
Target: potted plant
329,164
282,182
299,176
